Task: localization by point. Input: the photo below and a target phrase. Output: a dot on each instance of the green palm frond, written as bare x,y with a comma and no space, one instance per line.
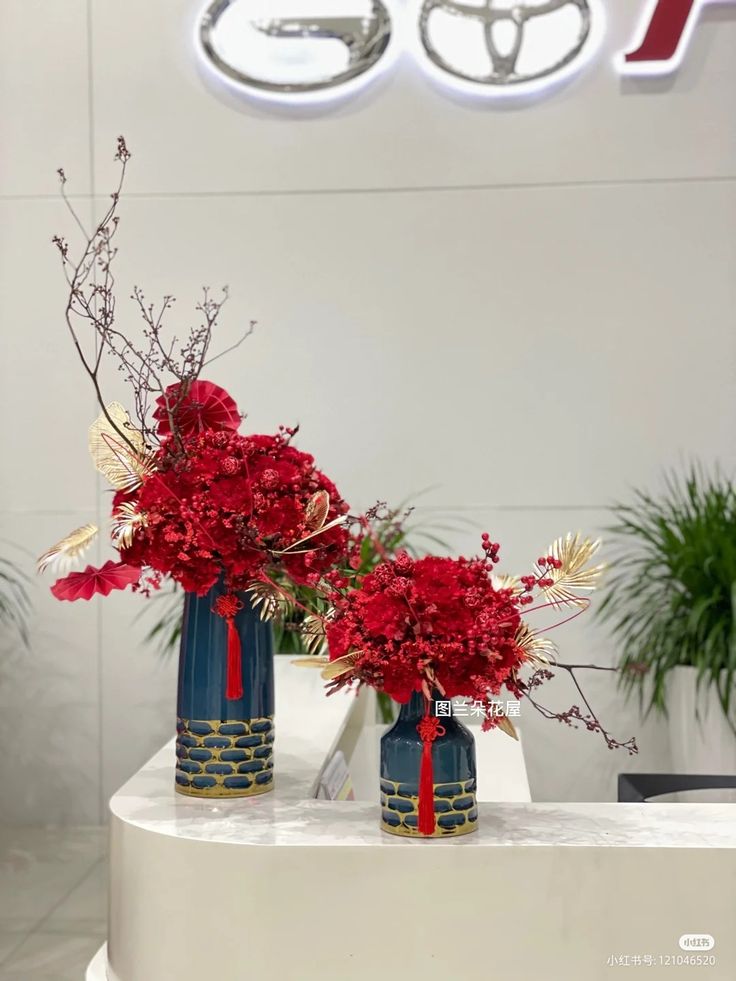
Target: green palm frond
168,608
15,602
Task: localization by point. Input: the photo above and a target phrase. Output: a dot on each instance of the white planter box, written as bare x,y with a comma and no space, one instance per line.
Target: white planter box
700,737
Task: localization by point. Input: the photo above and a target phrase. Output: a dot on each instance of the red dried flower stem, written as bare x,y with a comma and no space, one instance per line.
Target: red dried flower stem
377,543
583,606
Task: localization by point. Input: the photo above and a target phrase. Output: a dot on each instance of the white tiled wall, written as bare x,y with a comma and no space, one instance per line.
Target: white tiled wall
524,311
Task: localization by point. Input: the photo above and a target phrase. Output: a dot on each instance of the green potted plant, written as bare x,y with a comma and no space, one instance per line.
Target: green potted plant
671,604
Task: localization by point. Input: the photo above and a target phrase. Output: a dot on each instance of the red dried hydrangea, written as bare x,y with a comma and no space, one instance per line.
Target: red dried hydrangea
220,502
419,624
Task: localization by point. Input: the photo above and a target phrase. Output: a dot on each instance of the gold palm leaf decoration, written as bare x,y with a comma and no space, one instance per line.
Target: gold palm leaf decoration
126,467
311,662
64,552
313,634
340,666
126,521
317,510
266,598
507,582
537,649
575,574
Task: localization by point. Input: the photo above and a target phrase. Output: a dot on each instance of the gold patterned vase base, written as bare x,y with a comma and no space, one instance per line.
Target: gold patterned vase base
455,809
224,759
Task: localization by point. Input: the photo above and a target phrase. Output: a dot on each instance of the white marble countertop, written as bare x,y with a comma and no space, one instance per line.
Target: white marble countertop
193,881
309,727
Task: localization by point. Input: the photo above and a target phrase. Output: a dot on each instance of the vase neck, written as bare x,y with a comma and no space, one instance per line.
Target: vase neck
414,709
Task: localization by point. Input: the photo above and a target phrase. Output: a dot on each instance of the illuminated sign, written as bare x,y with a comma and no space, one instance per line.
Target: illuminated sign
663,37
292,51
498,48
299,51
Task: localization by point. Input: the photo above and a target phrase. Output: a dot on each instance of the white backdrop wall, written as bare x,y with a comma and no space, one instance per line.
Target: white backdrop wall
526,310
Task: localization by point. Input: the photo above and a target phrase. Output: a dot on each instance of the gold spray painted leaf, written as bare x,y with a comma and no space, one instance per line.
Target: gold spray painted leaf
538,649
69,548
313,634
126,521
506,725
340,666
266,598
311,662
317,510
507,582
575,575
126,467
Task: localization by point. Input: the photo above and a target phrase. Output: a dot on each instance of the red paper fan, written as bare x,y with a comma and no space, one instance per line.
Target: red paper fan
205,406
84,585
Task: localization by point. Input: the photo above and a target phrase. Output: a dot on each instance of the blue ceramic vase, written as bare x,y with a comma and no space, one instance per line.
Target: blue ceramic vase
224,748
453,763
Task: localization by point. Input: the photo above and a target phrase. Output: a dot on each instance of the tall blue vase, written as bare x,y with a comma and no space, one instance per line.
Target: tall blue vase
453,761
224,748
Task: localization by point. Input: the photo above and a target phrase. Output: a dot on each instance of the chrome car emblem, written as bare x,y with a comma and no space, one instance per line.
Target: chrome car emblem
503,52
276,48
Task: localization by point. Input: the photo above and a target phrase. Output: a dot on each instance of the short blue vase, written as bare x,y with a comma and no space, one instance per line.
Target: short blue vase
454,780
224,748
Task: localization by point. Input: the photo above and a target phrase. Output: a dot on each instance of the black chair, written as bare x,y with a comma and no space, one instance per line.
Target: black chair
637,788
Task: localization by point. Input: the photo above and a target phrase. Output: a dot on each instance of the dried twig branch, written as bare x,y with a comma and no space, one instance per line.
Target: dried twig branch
160,370
573,716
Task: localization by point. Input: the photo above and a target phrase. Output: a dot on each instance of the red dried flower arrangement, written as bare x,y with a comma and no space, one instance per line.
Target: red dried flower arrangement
195,500
450,627
232,505
425,624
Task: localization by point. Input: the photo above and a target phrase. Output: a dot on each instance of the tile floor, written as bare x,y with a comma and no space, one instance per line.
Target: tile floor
53,901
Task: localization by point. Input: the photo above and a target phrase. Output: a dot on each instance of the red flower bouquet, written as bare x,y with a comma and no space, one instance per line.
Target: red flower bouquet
451,628
195,500
234,506
424,624
207,504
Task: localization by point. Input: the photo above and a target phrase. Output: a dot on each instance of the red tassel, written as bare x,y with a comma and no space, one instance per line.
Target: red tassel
429,729
228,606
234,686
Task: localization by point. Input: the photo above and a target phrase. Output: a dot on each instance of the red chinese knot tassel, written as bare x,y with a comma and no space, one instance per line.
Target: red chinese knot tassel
429,729
228,607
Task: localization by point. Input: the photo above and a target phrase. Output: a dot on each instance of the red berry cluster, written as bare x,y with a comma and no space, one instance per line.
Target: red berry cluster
539,581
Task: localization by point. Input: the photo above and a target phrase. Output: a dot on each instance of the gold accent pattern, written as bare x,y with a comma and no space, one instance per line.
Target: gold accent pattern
456,809
217,758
